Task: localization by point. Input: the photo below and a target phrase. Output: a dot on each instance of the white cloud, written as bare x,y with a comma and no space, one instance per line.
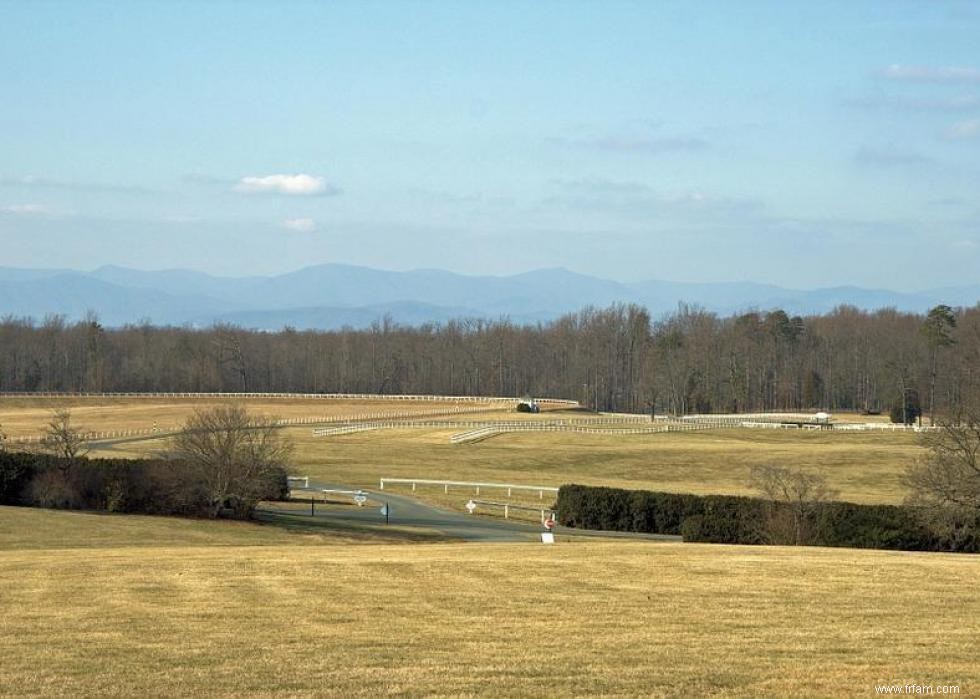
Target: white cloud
296,185
24,209
300,225
964,129
932,74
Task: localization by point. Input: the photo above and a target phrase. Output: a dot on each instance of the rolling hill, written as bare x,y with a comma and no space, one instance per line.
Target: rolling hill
333,296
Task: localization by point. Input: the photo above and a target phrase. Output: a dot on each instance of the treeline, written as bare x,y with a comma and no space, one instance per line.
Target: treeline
616,358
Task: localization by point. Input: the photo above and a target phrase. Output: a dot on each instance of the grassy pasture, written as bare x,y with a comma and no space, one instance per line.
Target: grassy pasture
864,467
29,416
28,528
127,605
586,619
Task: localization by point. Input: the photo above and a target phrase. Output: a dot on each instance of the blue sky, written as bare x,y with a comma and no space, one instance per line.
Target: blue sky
804,144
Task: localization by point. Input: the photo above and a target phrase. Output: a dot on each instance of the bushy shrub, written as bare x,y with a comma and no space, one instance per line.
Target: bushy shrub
872,526
146,486
16,472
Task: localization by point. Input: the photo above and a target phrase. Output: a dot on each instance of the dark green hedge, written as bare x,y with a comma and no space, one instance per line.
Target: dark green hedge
145,486
16,472
741,520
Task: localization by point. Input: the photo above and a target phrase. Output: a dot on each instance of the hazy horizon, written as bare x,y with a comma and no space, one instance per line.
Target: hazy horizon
518,272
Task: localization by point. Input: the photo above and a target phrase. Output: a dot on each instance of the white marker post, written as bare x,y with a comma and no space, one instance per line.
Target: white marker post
548,537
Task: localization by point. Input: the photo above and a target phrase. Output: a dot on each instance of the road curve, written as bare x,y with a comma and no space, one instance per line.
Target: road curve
409,512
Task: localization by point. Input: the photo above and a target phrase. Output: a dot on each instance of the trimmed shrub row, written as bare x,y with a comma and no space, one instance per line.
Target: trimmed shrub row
727,519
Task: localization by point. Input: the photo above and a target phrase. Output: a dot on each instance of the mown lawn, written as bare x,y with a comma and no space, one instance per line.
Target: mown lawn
584,619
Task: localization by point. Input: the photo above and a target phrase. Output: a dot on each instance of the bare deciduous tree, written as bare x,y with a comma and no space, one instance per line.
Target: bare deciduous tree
795,495
237,458
64,440
945,484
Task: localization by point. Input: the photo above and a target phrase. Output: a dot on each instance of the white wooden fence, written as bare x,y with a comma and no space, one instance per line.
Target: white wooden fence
471,436
342,420
507,507
509,487
309,396
477,430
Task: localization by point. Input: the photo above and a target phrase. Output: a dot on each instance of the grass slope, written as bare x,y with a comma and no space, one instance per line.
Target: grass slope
29,416
27,528
580,619
863,467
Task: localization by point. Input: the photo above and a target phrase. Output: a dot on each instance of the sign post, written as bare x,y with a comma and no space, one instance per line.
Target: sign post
548,536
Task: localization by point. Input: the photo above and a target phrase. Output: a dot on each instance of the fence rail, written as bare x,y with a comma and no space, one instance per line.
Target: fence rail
477,430
309,396
509,487
341,420
507,507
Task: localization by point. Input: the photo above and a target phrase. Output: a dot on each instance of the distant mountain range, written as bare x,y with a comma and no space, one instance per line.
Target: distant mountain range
333,296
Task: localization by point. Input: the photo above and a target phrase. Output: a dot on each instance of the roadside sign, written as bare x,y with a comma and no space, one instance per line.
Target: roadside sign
547,538
549,524
470,506
360,499
384,510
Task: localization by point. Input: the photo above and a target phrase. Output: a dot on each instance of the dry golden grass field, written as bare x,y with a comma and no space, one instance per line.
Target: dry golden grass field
36,529
186,617
28,416
863,467
128,605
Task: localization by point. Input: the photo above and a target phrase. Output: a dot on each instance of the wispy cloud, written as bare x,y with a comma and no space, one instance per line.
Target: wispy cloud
969,128
906,103
649,145
931,74
890,158
24,209
203,179
638,198
292,185
637,144
299,225
37,182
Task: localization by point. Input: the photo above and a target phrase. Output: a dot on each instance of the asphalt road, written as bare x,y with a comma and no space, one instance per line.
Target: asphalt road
409,512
